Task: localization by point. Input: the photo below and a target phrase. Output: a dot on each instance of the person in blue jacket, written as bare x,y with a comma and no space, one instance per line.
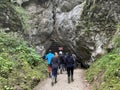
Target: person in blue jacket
49,57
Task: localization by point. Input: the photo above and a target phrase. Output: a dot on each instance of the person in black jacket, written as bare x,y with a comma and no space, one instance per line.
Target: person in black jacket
70,67
62,63
54,64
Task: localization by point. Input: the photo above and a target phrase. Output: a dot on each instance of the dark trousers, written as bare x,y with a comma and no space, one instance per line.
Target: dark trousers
70,71
54,72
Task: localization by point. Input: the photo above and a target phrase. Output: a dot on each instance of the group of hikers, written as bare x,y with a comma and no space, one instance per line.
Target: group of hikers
62,62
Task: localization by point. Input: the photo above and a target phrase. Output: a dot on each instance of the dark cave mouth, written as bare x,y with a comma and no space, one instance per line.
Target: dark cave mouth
82,55
56,47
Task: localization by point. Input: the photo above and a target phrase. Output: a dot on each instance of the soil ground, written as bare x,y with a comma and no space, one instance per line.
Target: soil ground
62,84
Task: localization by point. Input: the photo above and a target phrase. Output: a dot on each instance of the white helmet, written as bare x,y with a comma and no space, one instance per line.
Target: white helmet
60,52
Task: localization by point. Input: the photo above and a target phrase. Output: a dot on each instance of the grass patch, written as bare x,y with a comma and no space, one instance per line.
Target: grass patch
104,74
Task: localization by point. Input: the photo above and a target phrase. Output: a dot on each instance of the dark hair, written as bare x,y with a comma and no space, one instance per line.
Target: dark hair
49,50
70,53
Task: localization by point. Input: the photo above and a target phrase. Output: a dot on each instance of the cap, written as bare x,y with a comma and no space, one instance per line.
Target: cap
60,52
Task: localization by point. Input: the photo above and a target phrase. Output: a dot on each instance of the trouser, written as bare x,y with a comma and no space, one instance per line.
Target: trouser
49,70
75,65
54,72
54,75
62,68
70,71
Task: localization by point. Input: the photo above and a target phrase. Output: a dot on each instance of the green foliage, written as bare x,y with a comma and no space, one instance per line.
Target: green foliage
8,88
5,66
118,25
106,72
19,64
116,41
4,0
23,15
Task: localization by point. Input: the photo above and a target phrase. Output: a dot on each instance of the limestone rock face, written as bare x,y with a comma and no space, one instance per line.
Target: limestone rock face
51,20
9,19
19,2
86,27
41,20
66,26
98,25
67,5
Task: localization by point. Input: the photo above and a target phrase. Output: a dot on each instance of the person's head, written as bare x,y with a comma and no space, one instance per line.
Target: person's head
49,51
66,53
69,54
56,54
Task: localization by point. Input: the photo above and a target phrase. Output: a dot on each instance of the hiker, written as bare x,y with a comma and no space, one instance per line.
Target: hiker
74,58
62,64
65,56
70,67
54,65
49,57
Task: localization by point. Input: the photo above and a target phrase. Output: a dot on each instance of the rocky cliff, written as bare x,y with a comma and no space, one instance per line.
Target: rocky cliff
98,25
9,18
54,21
85,27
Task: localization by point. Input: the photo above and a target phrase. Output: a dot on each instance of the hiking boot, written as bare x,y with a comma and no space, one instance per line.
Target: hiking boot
55,80
68,79
52,83
61,71
72,78
49,75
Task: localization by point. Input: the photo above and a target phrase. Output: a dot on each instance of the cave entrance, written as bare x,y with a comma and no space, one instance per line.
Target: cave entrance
56,47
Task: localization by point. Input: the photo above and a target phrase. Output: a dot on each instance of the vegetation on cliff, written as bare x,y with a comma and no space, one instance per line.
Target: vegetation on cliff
9,18
98,16
104,74
20,66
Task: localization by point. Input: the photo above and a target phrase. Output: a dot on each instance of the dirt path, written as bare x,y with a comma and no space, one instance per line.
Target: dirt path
79,82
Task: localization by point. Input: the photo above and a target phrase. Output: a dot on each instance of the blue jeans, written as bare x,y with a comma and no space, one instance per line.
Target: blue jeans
62,67
54,72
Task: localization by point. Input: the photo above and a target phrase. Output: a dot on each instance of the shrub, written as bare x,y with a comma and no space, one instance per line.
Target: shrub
19,64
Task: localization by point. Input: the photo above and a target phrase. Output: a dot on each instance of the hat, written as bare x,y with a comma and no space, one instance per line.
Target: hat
60,52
